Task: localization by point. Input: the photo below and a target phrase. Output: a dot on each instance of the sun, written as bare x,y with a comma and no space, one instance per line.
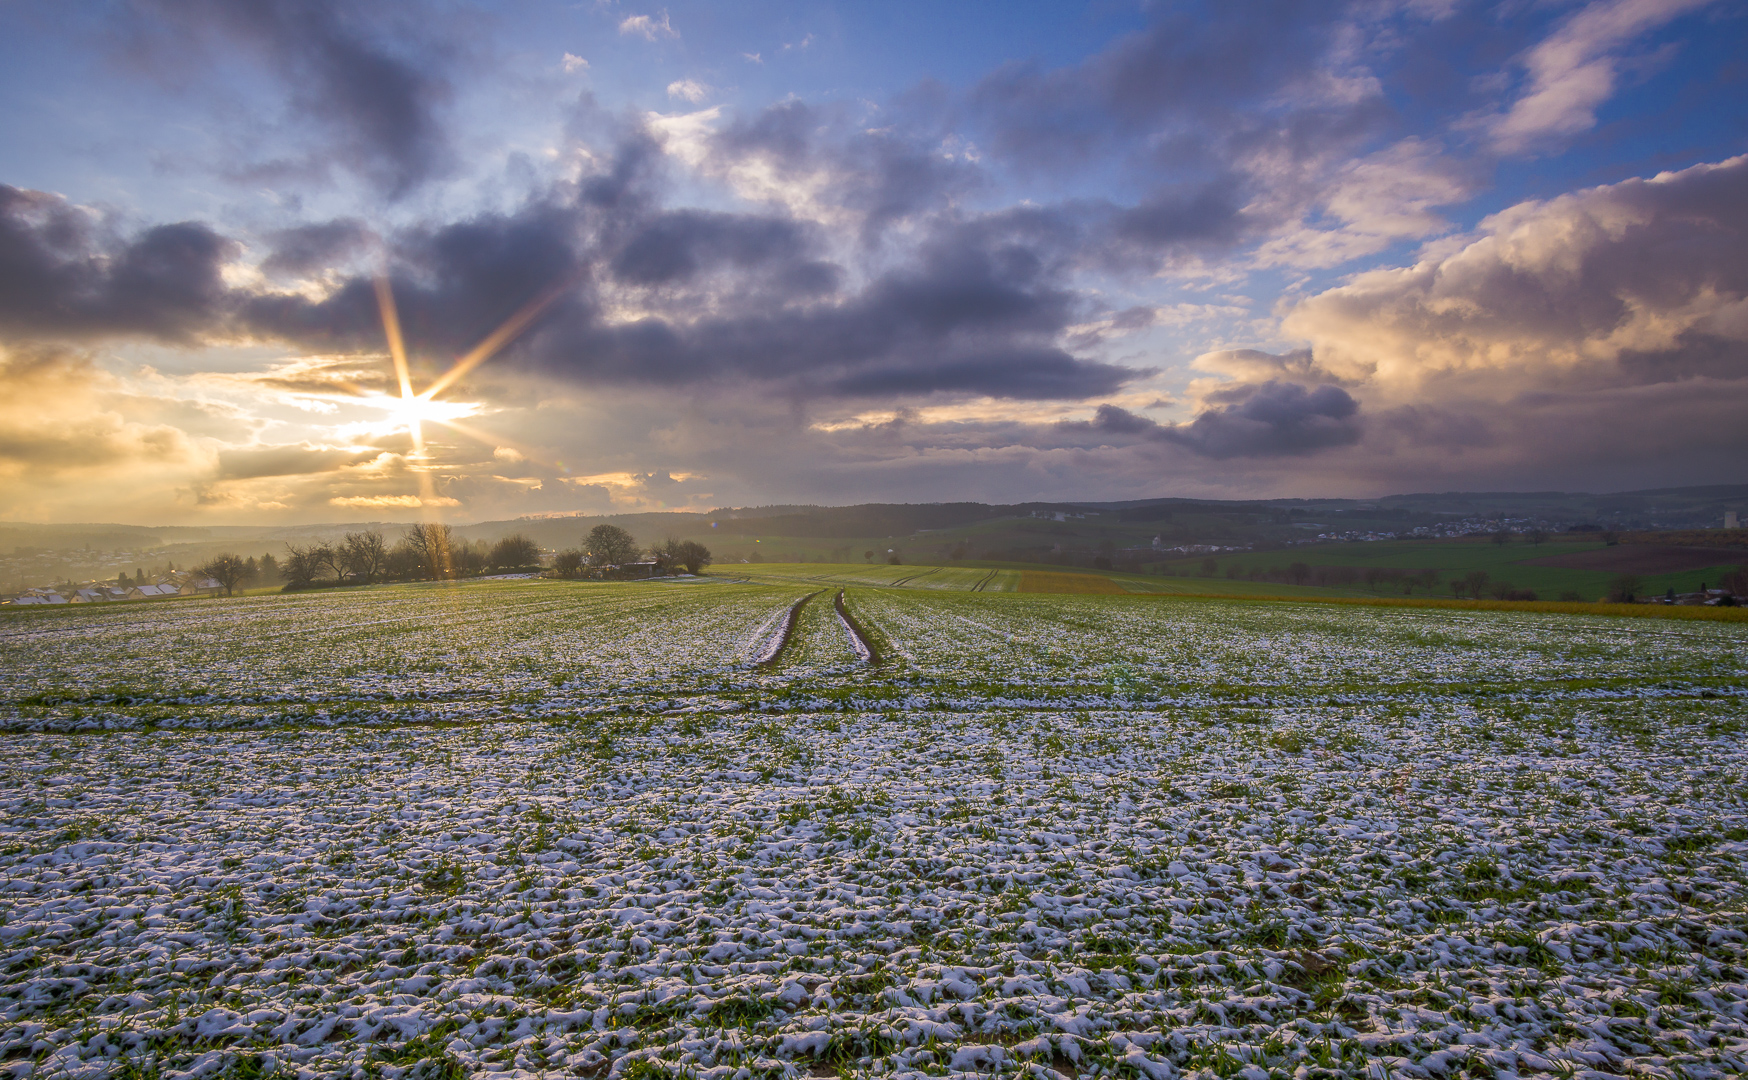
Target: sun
410,413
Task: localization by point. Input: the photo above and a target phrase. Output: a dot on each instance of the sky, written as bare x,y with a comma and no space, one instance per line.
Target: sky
289,261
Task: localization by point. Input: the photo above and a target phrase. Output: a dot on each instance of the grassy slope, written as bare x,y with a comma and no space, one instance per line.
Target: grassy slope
952,578
1458,557
1189,588
1007,578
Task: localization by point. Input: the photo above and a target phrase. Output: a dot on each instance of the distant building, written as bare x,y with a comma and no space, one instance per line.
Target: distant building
39,596
1730,520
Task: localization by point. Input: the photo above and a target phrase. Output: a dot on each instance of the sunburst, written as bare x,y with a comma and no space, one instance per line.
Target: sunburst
410,412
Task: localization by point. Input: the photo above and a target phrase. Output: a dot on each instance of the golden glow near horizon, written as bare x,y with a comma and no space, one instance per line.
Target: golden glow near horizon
410,412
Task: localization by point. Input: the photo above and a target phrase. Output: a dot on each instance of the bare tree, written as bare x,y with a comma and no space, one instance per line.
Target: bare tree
228,570
301,566
1477,582
435,545
364,555
470,557
330,558
568,562
406,560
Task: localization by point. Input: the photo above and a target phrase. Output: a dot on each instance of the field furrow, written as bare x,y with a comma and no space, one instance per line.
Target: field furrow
551,829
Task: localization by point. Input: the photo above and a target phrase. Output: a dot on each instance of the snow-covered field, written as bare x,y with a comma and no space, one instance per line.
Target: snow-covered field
545,829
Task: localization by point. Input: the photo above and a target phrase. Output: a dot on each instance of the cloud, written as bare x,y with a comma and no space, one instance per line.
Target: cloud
689,89
1636,282
316,249
977,309
374,83
677,245
1237,123
1271,419
63,274
648,27
1254,365
254,464
73,433
1574,70
573,64
1372,202
819,163
398,502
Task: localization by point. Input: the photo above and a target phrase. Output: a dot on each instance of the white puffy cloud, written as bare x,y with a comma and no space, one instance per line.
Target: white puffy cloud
1632,283
648,27
1597,339
690,89
1575,69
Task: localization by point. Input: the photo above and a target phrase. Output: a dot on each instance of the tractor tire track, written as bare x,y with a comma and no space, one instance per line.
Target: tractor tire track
774,651
858,639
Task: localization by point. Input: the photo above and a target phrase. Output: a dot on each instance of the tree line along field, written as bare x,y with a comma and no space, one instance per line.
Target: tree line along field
717,829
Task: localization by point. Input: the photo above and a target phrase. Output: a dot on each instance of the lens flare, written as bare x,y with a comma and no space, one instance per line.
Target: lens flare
410,412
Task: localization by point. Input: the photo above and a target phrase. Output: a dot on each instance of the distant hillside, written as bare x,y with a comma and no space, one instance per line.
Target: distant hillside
1031,531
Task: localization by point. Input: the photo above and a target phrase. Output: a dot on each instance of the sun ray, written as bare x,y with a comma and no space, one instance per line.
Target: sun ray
411,411
489,439
397,351
498,338
391,329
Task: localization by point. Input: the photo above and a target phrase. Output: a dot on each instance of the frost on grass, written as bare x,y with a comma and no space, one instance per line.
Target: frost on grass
1273,842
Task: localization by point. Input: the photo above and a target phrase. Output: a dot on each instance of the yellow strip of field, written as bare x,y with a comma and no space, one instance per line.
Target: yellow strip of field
1044,581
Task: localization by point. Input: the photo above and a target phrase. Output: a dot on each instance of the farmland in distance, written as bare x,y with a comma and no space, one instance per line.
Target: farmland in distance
717,829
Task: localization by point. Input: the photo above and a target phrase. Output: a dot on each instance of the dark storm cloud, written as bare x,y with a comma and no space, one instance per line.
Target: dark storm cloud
1209,110
1205,62
965,320
1036,374
310,249
976,305
976,310
373,83
453,284
678,245
1275,419
62,276
1271,419
1208,213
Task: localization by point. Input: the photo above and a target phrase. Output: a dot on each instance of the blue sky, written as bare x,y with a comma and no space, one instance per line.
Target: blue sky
781,252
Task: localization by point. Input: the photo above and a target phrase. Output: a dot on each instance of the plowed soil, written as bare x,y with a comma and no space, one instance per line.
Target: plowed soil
1645,559
1044,581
